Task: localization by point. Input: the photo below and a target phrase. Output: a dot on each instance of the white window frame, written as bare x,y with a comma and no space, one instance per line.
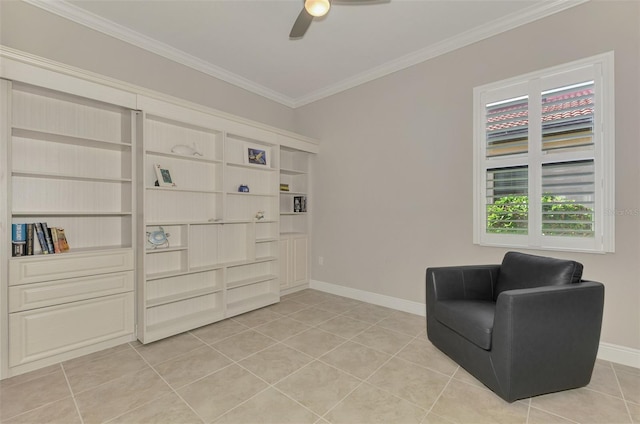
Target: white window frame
600,69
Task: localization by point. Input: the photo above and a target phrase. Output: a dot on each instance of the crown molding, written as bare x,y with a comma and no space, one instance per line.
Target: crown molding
105,26
95,22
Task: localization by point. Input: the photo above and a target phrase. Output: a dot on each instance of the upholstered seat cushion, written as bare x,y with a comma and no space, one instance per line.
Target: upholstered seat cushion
472,319
522,271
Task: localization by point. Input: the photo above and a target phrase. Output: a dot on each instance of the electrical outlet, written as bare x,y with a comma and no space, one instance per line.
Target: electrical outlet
320,260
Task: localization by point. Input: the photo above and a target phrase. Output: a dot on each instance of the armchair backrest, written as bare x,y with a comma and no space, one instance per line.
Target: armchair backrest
523,271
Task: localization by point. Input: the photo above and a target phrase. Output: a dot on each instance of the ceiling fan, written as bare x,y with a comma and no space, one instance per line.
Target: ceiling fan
318,8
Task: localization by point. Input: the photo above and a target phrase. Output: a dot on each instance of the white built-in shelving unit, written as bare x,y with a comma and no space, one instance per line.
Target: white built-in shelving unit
221,257
294,219
80,153
70,160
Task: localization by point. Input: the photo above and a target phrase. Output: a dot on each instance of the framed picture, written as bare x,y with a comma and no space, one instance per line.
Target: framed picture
163,174
256,155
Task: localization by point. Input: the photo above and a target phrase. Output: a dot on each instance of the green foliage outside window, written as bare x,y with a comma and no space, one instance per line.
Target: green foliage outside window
562,217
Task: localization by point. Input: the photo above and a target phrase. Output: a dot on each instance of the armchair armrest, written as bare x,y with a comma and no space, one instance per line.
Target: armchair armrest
546,333
472,282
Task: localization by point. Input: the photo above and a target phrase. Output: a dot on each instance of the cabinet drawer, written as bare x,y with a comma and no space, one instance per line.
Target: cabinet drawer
34,269
41,333
39,295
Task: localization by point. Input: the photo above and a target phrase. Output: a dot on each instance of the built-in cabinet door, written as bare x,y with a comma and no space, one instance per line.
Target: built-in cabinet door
294,261
40,333
285,262
300,258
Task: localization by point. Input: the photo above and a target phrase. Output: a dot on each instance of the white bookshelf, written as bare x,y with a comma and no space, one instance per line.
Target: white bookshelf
71,162
221,258
294,219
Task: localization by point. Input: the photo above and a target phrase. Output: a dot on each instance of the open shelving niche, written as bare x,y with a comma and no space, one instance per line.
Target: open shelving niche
221,260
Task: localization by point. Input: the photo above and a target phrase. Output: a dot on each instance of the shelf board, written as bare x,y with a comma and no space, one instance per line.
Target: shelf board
232,264
173,223
205,268
288,171
248,221
181,296
184,190
165,249
70,213
293,233
69,139
293,213
187,322
293,193
238,193
249,281
60,176
255,302
167,274
73,251
254,167
266,239
183,157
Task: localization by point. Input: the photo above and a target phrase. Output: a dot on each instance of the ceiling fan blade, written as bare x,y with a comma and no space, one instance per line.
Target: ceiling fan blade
301,24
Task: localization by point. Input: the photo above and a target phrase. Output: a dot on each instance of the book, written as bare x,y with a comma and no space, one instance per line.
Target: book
41,239
62,239
54,238
18,239
47,237
30,240
284,187
18,249
19,233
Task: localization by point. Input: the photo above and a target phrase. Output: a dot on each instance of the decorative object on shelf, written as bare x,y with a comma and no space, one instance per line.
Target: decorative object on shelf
256,155
183,149
164,176
158,238
243,188
300,204
284,187
259,215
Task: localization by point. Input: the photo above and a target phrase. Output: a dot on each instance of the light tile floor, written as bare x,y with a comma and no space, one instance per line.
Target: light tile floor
312,358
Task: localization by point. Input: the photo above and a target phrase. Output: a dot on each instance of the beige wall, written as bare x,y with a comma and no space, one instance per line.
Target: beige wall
393,182
31,29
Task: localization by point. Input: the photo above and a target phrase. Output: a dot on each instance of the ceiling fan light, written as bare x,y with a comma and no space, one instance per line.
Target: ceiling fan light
317,8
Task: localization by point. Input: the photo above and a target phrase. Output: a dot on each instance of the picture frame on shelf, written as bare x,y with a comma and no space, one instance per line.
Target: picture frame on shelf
256,155
163,174
300,204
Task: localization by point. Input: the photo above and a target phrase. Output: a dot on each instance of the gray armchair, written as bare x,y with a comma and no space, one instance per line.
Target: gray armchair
523,328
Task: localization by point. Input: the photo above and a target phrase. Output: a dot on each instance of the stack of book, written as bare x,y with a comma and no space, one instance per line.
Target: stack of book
50,239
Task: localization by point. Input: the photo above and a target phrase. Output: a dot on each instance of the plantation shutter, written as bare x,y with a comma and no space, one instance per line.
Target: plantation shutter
568,199
507,127
544,168
568,188
507,134
567,117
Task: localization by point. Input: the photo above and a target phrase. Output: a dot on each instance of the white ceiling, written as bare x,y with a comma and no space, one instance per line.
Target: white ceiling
247,42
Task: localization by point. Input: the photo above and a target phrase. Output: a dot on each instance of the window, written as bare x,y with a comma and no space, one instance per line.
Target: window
543,159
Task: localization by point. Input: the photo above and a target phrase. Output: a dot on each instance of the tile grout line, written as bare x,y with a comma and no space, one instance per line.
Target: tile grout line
624,399
73,396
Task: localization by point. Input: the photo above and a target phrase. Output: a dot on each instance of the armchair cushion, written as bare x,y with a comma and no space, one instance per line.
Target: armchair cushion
523,271
472,319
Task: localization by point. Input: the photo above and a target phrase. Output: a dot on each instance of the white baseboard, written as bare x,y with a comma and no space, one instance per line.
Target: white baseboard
369,297
606,351
619,354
